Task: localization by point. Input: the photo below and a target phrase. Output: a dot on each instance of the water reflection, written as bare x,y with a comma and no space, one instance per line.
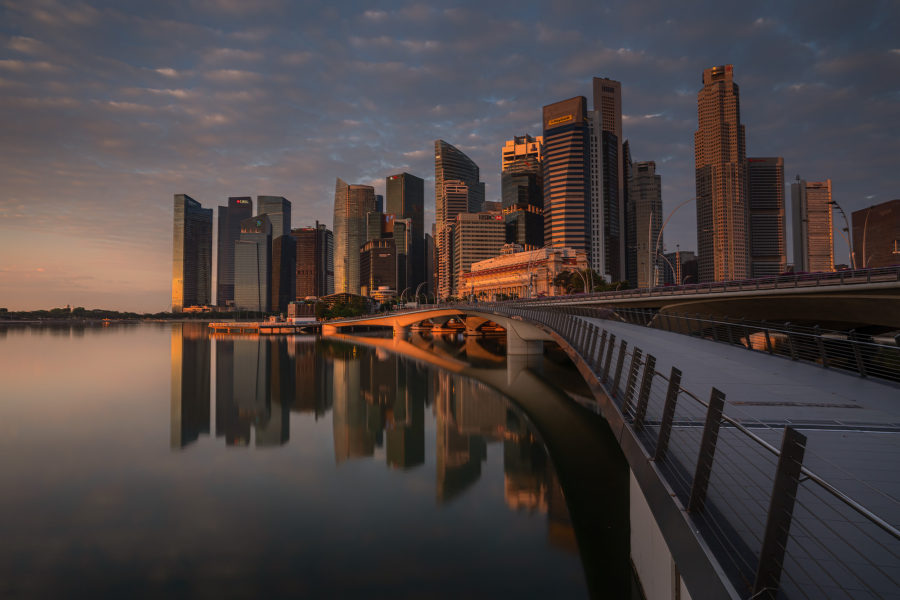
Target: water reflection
378,403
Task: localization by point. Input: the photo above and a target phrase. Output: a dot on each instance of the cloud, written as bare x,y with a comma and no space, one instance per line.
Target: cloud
233,76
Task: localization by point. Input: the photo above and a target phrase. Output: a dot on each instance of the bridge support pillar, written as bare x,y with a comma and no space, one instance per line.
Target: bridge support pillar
329,330
515,344
401,331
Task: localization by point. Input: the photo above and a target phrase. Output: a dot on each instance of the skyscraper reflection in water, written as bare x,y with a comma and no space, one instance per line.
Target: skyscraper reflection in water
378,404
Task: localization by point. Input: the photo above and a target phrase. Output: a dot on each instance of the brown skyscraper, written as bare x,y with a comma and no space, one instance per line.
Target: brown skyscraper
876,235
765,202
720,163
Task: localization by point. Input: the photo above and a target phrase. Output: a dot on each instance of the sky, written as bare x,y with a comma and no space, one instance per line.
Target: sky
109,108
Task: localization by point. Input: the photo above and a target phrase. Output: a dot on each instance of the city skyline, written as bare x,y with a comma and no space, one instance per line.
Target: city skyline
92,153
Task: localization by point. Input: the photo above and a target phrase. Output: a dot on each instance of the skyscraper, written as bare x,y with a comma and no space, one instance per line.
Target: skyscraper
351,205
191,254
765,201
315,261
645,220
278,209
475,237
230,217
522,191
567,171
607,181
284,272
720,161
812,226
457,189
406,200
455,200
253,265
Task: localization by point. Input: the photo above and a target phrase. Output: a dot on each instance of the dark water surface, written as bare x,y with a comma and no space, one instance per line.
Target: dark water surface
157,461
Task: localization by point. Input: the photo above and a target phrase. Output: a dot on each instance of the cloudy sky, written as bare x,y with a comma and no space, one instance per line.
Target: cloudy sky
108,108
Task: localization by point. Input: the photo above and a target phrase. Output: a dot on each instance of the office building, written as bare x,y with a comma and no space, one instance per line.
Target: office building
351,205
455,201
678,268
253,265
230,217
430,266
644,221
812,226
405,196
522,191
567,174
278,210
476,237
315,261
723,248
284,272
765,202
607,181
378,266
876,235
191,254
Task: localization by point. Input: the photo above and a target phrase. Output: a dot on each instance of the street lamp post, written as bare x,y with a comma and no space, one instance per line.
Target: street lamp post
848,237
659,238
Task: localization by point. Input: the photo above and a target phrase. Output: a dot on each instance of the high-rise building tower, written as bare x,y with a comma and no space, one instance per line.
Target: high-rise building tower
191,254
315,261
522,191
723,247
284,272
476,237
230,217
455,200
567,173
645,220
812,226
765,202
351,205
253,265
608,181
278,209
406,200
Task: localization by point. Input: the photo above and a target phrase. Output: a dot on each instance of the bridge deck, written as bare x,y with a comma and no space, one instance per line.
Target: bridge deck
852,425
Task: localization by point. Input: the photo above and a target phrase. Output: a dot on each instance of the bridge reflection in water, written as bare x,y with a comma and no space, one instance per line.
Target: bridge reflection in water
558,459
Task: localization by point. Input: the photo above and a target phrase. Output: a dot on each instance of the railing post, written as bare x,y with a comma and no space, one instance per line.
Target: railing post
769,347
595,333
623,350
632,378
714,332
781,509
820,344
707,451
857,354
644,395
599,362
790,341
668,415
609,353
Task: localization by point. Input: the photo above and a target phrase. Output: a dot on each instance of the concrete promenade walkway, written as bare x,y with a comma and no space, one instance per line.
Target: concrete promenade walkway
852,423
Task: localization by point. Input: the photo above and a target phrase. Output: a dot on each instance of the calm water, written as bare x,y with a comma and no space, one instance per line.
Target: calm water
153,460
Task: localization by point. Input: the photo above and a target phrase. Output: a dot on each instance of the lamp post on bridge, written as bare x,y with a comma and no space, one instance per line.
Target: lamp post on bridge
658,240
847,238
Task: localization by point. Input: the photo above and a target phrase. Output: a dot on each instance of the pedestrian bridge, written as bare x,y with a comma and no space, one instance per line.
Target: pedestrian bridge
522,337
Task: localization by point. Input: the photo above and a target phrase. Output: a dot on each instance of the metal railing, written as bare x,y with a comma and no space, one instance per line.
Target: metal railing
793,280
846,351
777,529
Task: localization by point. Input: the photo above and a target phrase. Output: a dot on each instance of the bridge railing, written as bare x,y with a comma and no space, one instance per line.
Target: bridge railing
793,280
846,351
778,529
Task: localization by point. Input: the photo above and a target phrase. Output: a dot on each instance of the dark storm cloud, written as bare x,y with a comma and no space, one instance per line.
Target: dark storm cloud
109,108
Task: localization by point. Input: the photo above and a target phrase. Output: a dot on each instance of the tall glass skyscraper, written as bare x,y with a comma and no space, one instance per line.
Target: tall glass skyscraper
813,230
645,221
406,200
567,171
278,210
765,201
351,205
720,162
230,217
192,254
284,272
253,265
315,261
522,191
